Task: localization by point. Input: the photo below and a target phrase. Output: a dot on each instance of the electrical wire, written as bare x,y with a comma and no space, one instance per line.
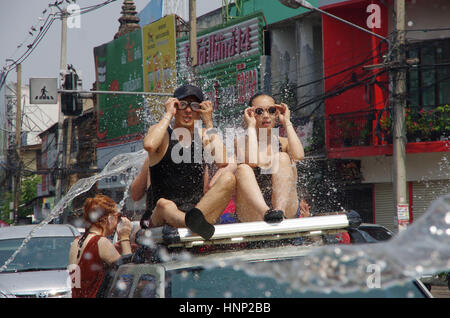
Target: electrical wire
42,32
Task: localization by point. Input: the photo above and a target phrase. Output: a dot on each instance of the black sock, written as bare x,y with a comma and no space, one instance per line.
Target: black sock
273,216
196,222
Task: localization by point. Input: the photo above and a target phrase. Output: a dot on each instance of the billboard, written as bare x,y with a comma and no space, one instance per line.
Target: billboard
228,64
158,41
143,60
119,68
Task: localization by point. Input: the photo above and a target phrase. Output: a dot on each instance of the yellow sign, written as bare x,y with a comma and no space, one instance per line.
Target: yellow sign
159,55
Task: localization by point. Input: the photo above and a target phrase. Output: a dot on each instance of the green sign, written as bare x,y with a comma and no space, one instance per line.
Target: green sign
228,64
119,67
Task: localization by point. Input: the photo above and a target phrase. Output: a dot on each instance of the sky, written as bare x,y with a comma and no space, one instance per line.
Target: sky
97,27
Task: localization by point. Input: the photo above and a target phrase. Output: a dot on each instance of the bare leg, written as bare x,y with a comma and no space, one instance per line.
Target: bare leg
218,196
231,167
250,204
284,194
166,212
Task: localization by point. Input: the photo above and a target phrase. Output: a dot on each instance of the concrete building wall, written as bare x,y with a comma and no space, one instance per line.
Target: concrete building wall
419,167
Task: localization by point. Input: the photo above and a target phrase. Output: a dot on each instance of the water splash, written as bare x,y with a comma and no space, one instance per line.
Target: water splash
127,163
423,248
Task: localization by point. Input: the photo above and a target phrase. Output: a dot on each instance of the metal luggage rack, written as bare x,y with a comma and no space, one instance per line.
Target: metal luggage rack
250,232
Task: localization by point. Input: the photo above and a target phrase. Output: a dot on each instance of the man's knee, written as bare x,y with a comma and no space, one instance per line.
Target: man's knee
164,204
243,170
228,179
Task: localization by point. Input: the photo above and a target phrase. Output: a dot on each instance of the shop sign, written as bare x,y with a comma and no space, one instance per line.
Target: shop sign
228,64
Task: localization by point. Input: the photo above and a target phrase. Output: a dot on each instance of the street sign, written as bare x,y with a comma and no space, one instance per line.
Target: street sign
43,91
403,212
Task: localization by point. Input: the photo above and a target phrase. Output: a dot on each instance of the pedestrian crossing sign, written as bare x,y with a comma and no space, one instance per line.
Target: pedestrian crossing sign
43,91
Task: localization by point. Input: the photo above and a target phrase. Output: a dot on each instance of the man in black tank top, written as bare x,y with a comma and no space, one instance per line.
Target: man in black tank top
172,175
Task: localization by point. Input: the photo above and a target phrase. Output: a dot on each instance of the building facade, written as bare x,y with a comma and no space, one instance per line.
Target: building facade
359,124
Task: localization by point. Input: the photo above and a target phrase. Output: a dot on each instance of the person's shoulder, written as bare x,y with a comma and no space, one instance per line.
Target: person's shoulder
104,242
75,242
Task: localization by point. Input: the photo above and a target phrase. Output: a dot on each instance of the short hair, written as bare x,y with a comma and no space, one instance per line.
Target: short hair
107,205
257,95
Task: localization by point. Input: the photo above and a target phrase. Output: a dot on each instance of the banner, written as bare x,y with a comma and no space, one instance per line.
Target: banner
119,68
228,60
159,55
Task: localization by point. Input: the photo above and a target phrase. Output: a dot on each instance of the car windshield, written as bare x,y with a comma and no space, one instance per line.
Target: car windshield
40,253
234,282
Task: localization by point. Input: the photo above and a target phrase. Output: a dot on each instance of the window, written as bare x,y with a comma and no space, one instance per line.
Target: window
229,281
122,287
40,253
429,84
147,287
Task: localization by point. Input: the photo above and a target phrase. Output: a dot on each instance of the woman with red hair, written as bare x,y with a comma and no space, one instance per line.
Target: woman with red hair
92,253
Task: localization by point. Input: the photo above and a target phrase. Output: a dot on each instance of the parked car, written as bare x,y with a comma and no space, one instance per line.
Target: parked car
439,279
370,233
215,268
39,270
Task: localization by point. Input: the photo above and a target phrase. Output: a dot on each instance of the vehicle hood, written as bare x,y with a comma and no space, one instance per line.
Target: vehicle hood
33,283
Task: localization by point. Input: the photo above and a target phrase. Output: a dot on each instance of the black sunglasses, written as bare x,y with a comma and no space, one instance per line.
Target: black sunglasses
184,104
272,110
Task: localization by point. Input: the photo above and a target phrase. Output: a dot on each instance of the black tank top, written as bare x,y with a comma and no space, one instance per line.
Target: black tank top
181,183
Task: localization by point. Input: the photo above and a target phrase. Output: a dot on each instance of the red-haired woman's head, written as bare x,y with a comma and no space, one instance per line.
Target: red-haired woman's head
101,211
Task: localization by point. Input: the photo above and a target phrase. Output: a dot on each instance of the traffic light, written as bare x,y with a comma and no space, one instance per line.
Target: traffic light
71,103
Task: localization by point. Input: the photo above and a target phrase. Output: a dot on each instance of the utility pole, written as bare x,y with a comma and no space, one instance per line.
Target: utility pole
399,140
193,33
62,67
18,142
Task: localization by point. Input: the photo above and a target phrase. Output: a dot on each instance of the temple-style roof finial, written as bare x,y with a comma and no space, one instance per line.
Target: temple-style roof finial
129,21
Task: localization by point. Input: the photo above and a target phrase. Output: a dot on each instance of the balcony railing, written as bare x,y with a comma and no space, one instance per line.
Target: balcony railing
373,128
352,129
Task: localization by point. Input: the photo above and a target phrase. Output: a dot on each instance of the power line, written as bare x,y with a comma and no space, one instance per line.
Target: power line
43,31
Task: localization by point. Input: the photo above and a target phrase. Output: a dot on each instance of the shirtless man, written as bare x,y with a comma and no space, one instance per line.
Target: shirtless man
267,196
174,190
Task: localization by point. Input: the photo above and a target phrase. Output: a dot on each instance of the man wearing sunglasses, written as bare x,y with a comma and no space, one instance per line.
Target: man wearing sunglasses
174,189
260,195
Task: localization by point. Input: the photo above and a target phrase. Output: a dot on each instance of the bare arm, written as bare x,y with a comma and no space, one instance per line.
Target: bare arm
107,251
295,147
155,134
210,139
139,185
249,117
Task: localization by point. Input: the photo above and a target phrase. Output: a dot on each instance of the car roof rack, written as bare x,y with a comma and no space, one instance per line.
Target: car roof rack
255,231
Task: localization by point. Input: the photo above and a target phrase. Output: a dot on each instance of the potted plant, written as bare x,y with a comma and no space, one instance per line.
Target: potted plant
366,134
413,130
386,128
440,129
347,127
425,123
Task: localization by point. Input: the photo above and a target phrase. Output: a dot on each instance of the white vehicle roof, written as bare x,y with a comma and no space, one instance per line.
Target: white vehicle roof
49,230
